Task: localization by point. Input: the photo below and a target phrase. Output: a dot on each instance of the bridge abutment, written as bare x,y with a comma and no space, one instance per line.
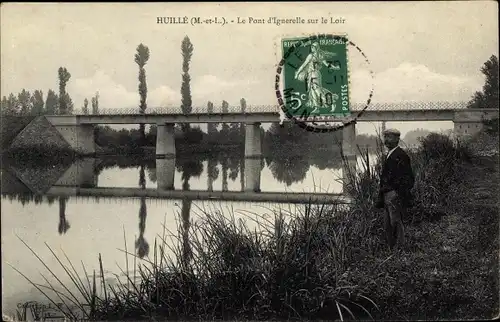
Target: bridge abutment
165,173
469,122
253,144
80,137
165,140
462,130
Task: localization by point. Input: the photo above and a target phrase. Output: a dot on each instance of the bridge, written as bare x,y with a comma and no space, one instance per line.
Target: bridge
78,129
80,179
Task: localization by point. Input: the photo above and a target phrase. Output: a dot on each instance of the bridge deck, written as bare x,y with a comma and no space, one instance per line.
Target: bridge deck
277,197
369,115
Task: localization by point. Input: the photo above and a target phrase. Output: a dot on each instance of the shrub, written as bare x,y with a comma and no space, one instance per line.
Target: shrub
491,126
438,146
438,164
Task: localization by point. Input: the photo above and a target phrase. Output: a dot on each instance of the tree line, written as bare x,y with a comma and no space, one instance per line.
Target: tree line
34,103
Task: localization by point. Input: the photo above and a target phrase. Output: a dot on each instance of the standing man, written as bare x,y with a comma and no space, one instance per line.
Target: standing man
396,182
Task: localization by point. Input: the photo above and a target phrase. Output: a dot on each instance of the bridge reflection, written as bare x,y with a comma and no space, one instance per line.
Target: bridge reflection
80,179
278,197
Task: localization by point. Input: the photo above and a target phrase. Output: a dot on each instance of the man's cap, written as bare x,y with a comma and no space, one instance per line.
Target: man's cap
392,132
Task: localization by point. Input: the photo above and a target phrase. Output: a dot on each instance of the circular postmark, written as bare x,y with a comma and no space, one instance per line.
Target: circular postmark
316,83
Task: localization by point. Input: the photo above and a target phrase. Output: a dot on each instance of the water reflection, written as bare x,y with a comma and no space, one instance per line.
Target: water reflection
141,245
212,173
186,225
90,177
97,196
190,168
290,168
63,223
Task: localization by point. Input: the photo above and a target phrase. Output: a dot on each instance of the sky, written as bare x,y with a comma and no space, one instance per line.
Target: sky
418,51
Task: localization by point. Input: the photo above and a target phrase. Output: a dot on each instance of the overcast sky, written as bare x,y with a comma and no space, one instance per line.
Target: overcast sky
419,51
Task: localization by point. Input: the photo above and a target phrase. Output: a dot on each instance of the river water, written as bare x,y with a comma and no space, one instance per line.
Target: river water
39,206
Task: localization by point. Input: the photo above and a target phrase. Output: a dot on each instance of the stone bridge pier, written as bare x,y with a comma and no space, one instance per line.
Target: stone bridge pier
165,140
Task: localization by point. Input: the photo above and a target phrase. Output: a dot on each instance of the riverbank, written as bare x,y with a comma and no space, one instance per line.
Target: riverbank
449,269
327,262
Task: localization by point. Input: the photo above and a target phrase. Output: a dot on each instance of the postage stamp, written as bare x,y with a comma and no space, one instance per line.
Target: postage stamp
315,76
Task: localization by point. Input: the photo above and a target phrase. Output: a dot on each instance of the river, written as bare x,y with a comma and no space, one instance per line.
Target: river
34,210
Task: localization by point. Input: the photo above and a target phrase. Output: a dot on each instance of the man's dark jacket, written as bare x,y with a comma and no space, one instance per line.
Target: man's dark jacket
397,174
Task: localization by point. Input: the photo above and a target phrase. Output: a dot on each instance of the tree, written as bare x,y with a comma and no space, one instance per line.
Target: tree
225,126
186,102
9,105
69,104
210,126
4,105
85,108
37,103
282,136
24,99
488,98
491,126
64,77
141,59
51,103
95,104
243,104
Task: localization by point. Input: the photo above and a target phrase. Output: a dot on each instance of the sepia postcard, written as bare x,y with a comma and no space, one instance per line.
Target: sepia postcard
250,161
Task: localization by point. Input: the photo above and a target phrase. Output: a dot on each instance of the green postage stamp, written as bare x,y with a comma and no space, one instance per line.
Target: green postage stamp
315,78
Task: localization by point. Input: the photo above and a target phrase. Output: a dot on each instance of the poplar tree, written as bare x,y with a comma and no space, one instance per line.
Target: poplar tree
186,102
141,59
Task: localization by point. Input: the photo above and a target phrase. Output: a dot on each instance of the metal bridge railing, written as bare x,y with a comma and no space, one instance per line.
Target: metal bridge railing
276,109
269,108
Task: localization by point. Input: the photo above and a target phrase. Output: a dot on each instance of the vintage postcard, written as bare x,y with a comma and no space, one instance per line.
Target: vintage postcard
250,161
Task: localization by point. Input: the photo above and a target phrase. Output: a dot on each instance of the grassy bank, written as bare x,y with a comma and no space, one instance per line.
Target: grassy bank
330,262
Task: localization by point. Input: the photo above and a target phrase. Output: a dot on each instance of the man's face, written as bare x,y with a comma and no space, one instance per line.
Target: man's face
391,140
